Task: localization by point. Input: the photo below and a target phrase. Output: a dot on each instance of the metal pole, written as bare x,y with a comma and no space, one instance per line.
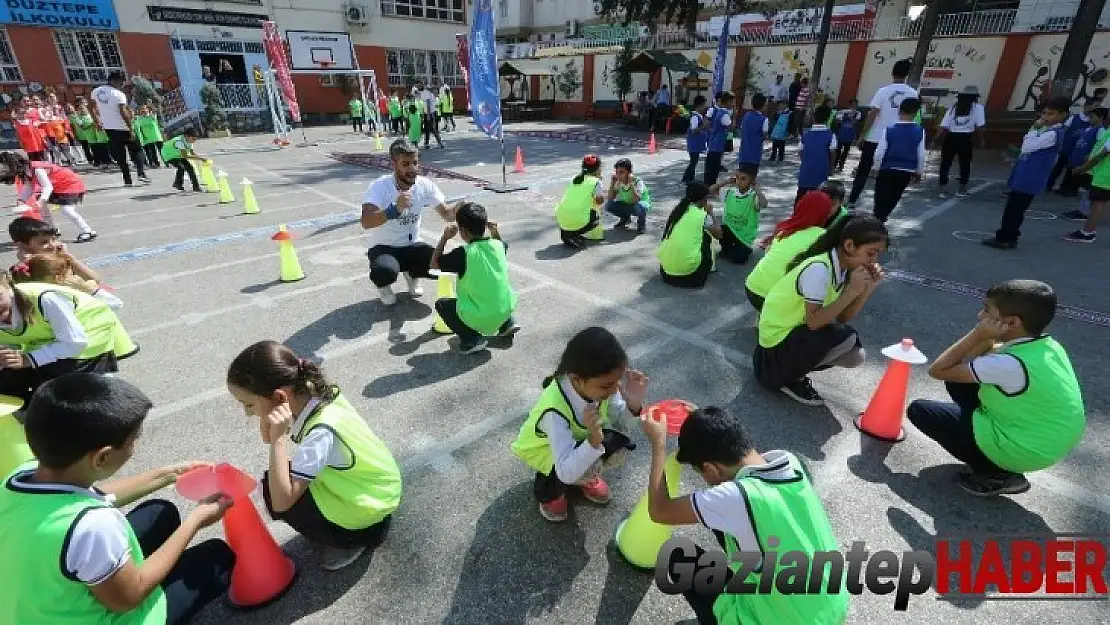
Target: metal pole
1074,55
504,174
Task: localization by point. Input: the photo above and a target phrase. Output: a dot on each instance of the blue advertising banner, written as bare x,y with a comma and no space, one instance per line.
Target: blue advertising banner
485,85
719,64
93,15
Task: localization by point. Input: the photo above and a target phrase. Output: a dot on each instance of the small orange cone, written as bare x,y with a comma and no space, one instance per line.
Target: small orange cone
518,168
651,144
262,571
883,417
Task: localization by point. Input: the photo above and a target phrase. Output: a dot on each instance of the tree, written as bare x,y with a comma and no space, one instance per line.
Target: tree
214,116
621,77
145,93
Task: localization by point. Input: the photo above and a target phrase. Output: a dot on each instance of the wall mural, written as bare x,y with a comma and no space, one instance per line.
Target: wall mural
1033,91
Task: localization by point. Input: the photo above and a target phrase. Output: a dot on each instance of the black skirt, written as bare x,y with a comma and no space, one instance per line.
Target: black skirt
798,354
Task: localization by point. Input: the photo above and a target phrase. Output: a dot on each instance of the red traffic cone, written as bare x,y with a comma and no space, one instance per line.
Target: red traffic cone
651,144
518,168
669,120
883,417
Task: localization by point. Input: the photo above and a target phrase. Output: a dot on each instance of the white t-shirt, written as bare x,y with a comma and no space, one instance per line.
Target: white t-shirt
317,450
725,509
886,102
108,100
1002,370
404,229
963,124
813,282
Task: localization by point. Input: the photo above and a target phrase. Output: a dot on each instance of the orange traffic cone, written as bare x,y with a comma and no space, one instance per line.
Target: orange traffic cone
651,144
262,571
518,168
883,417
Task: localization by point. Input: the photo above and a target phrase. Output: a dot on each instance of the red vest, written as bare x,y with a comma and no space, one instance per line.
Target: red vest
65,181
29,137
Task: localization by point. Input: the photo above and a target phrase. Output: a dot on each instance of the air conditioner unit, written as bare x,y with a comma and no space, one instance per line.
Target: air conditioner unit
572,28
357,14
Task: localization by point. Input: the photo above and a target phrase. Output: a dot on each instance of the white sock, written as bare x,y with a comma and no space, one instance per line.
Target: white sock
76,218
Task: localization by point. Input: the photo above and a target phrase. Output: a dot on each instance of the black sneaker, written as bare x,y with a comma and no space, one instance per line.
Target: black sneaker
473,348
999,245
509,329
982,485
623,223
1074,215
1080,237
803,392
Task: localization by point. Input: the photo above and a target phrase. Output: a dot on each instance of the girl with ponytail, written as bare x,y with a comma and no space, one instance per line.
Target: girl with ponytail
574,428
340,486
686,253
52,184
577,213
803,326
957,136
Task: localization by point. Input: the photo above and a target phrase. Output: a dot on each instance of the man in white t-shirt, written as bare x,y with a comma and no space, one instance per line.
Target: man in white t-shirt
883,114
391,211
112,114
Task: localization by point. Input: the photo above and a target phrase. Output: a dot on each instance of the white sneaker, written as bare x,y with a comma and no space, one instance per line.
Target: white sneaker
414,285
386,293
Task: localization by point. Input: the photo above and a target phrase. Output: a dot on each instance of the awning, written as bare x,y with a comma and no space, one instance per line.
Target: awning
526,67
647,61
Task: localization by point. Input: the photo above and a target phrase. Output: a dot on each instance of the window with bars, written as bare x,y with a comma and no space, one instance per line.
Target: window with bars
9,67
443,10
88,56
408,67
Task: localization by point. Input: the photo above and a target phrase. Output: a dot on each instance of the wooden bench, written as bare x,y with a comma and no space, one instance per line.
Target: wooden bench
605,109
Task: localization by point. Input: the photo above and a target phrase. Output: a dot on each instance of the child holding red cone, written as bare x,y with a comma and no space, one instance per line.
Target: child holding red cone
575,429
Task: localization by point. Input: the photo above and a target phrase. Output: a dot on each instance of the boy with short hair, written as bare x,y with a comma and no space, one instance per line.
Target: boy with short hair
1029,175
818,150
628,196
901,158
1018,407
178,152
80,559
486,300
743,200
34,236
757,502
754,129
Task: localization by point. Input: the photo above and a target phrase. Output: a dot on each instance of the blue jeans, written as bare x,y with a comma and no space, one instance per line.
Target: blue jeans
625,211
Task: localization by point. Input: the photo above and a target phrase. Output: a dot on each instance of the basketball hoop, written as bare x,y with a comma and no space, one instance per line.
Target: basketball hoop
324,65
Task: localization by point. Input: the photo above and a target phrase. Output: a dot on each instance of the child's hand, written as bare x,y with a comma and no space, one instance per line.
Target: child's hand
175,471
991,328
210,510
655,429
859,281
404,201
449,231
277,423
592,421
877,274
634,387
12,359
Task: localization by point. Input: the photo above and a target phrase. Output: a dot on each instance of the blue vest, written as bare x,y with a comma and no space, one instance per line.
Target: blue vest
902,140
718,132
1078,125
1031,171
1083,146
814,169
751,137
846,132
782,125
697,140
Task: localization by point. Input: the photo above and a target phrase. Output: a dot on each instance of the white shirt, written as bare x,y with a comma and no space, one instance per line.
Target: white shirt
964,124
317,450
886,102
880,152
404,229
573,460
1039,139
429,99
724,508
813,282
780,93
108,100
69,336
1002,370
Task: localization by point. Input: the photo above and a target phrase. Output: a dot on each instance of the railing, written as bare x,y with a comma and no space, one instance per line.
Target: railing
250,97
979,23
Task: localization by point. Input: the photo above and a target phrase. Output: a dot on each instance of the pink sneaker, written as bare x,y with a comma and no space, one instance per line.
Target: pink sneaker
596,490
555,510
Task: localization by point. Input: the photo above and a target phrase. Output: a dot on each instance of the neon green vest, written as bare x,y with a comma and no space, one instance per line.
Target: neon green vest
36,526
772,267
356,107
1100,173
1039,426
625,195
741,215
97,319
83,127
531,443
170,150
792,512
447,103
486,299
394,107
785,308
573,212
364,493
148,129
415,124
680,253
99,136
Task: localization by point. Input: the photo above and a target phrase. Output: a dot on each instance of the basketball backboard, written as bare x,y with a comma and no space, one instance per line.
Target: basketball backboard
313,50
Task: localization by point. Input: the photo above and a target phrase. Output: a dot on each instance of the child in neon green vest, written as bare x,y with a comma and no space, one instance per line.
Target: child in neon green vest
577,427
148,132
357,118
576,214
803,326
791,237
415,120
753,497
486,301
686,256
81,560
1017,403
628,196
743,200
340,487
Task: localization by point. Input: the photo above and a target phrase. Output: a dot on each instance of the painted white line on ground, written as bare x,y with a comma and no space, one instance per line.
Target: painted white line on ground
208,220
187,207
899,226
